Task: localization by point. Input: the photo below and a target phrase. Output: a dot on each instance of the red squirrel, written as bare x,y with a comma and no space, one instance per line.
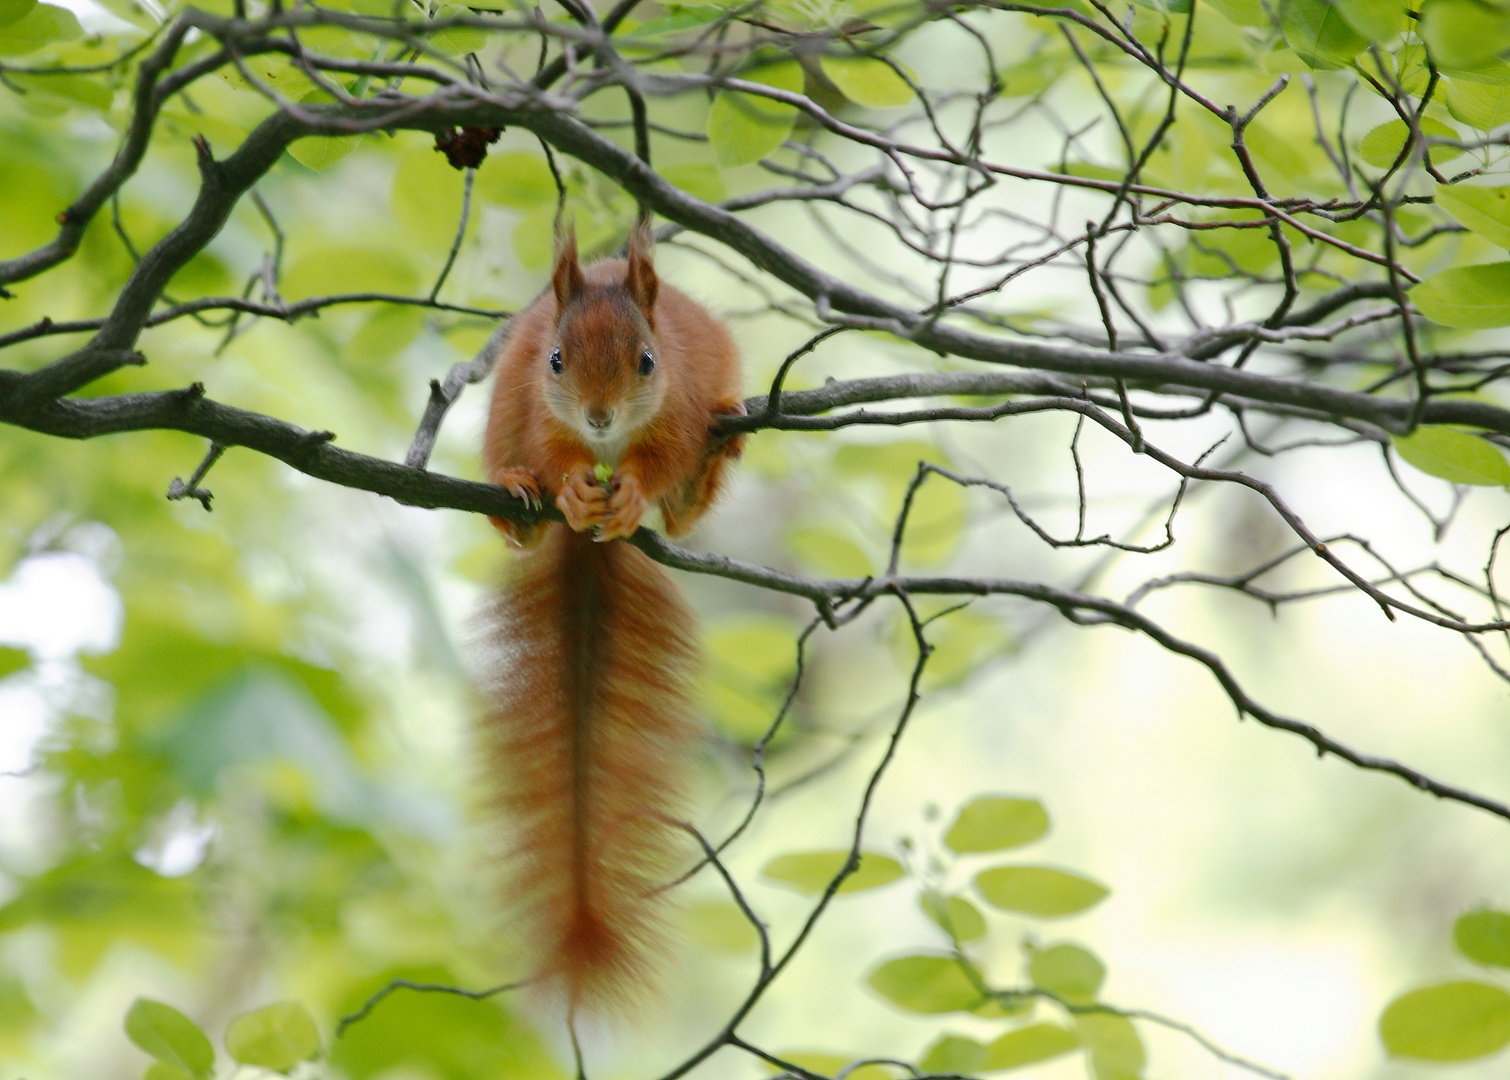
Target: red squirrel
593,650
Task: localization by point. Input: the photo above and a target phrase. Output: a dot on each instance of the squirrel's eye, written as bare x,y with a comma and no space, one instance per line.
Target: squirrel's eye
647,363
556,361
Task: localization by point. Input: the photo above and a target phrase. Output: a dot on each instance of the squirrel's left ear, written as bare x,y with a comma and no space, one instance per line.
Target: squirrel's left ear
640,279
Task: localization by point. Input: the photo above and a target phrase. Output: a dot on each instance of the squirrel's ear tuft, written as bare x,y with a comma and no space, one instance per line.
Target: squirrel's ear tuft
640,279
566,279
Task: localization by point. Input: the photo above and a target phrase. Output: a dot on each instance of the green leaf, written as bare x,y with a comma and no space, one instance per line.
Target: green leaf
320,152
1479,105
516,179
1285,62
328,39
867,81
962,641
1484,936
954,915
1471,297
264,715
701,181
203,275
893,463
1242,12
271,69
939,512
1463,33
95,901
1069,971
926,984
1040,891
829,551
995,823
823,1064
14,10
1028,1046
218,131
719,926
1407,68
158,1071
681,17
18,1014
1116,1051
170,1037
42,25
1485,210
534,238
1319,33
1412,70
426,196
1003,1008
13,660
1382,145
1490,72
737,713
436,1036
935,528
385,333
1031,76
331,268
751,659
1074,5
1453,455
810,872
1377,20
275,1037
1215,252
1089,170
953,1054
744,127
762,646
1455,1021
456,40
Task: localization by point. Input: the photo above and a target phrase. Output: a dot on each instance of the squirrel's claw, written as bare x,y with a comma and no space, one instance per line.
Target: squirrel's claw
521,484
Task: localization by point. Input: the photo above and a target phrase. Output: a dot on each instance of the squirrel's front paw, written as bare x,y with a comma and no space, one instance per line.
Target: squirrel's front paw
626,506
582,500
520,483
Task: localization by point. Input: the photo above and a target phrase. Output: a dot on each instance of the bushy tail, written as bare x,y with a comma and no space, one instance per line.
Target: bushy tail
592,654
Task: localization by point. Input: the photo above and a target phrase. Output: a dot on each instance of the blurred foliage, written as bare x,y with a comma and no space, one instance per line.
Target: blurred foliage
1463,1019
238,808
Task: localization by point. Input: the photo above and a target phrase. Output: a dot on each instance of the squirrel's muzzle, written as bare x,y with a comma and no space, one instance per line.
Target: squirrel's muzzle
598,418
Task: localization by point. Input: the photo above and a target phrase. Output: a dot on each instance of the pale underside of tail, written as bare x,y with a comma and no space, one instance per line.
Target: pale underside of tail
592,655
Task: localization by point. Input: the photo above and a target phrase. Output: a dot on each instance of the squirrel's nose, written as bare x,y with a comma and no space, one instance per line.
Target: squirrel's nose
598,418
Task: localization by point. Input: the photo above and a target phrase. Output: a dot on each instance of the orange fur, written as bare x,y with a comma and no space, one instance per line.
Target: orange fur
593,651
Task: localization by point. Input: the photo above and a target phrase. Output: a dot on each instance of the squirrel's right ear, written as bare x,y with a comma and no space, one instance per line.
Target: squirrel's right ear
566,279
640,277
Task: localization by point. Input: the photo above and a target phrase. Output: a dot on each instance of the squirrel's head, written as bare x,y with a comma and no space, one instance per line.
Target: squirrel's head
602,373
